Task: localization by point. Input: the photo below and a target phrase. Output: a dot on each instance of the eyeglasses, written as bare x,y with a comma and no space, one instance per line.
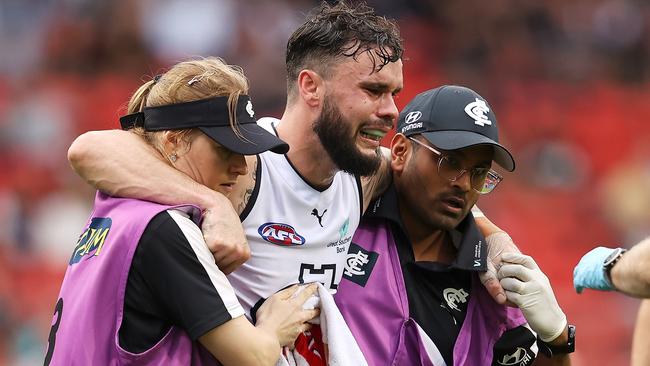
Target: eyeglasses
482,180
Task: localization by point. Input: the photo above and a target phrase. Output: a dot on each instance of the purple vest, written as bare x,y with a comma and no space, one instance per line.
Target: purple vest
378,313
89,310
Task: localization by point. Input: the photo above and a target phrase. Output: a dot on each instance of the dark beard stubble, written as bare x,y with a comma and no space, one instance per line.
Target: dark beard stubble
338,140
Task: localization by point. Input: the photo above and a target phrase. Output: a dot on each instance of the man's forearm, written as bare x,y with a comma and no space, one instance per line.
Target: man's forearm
640,350
374,185
558,359
630,275
122,164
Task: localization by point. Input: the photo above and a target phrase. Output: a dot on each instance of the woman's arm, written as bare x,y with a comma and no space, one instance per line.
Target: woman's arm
280,320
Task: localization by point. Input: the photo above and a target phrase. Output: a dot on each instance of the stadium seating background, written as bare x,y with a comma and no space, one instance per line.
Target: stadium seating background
569,81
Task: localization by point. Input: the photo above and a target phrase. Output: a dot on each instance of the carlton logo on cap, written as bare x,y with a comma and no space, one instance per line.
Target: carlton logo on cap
249,109
477,110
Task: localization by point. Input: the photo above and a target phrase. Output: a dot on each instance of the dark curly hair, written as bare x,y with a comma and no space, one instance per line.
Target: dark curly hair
341,30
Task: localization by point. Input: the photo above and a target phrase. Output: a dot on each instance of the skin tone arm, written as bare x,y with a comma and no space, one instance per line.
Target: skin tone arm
121,164
376,184
630,274
640,349
281,319
556,360
501,244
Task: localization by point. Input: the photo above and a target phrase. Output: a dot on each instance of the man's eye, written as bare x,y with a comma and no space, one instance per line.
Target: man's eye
453,162
481,172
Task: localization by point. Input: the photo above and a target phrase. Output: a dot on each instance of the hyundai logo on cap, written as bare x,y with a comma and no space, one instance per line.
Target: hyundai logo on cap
413,116
453,117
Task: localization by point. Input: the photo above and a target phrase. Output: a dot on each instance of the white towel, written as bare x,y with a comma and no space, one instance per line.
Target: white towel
336,341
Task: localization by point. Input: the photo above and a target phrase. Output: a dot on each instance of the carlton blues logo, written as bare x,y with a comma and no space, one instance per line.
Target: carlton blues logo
359,264
92,240
280,234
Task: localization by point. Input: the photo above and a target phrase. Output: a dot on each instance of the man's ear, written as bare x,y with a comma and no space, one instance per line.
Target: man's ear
400,151
310,87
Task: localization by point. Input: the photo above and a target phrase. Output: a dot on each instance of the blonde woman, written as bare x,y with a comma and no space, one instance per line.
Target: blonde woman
142,287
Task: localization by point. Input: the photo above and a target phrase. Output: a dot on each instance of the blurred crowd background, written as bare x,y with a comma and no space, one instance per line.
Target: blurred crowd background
569,81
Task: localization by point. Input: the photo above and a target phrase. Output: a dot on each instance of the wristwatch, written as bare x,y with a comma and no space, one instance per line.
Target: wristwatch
549,350
609,263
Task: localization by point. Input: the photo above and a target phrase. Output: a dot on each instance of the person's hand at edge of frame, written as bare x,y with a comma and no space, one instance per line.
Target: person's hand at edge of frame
589,272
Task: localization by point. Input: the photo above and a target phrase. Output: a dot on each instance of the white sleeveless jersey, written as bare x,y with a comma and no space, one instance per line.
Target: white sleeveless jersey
297,234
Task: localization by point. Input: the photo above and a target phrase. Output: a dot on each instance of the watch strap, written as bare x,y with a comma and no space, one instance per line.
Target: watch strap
609,264
549,350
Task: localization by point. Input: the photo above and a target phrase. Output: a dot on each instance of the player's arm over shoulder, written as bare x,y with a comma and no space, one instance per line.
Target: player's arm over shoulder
121,163
242,192
374,185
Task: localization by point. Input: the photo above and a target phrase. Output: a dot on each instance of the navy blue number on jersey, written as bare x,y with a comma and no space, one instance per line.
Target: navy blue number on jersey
51,339
323,273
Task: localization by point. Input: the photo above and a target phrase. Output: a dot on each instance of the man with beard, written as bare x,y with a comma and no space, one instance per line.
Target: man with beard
344,68
411,293
298,210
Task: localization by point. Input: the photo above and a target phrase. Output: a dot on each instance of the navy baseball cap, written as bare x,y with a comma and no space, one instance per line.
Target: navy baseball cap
453,117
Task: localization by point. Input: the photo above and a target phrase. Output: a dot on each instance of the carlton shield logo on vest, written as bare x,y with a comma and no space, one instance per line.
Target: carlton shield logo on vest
280,234
359,264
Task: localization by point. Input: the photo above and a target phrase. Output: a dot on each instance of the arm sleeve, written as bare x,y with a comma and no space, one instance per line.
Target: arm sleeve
183,277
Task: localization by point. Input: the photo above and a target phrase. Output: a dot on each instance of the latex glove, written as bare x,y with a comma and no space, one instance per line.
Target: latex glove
589,272
528,287
224,235
498,243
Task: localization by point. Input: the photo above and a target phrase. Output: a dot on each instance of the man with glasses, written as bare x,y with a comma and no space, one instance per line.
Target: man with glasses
410,290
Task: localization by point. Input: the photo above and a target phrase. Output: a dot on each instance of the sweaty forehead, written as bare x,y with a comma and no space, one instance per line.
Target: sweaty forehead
361,71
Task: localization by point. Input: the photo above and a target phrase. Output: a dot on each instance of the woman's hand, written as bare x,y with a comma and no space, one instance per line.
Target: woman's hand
283,314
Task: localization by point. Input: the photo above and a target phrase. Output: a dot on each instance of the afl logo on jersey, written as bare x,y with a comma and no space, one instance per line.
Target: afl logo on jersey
280,234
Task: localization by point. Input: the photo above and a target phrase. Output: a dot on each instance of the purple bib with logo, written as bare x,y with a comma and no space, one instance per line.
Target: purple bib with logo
89,309
374,303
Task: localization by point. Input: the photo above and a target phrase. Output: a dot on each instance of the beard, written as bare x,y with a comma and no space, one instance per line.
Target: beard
338,139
